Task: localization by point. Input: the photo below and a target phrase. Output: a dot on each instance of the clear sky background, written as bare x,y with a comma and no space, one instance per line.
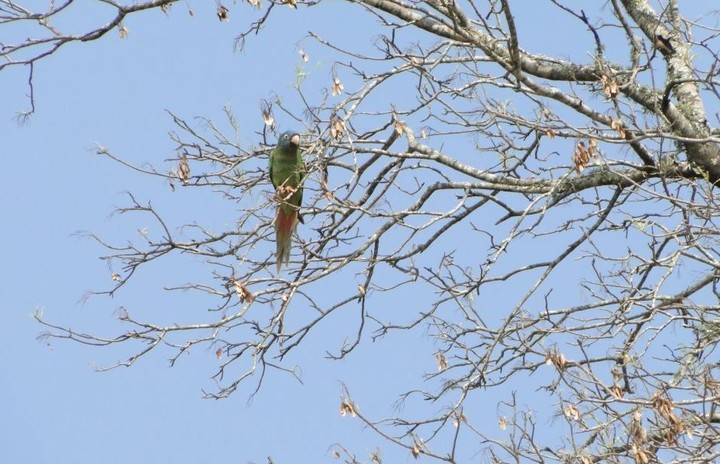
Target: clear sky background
114,92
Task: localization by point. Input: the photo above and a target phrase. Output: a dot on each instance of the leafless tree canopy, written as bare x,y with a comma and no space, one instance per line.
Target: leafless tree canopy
551,219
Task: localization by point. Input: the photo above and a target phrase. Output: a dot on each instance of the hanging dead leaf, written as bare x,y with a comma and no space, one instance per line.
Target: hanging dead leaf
255,3
243,293
616,391
290,3
218,353
618,127
266,108
347,408
663,406
441,361
550,133
337,87
583,154
415,450
336,454
123,31
637,416
571,412
116,277
503,423
303,55
375,457
423,133
610,87
184,170
361,290
337,128
222,13
556,359
641,457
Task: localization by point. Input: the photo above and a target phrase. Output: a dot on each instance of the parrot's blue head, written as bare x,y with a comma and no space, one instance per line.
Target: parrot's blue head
289,140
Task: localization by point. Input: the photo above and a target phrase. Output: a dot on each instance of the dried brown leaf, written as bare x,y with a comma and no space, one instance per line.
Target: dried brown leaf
503,423
641,457
663,406
571,412
184,170
556,359
222,13
415,450
610,87
123,31
618,127
337,87
303,55
218,353
347,408
243,293
637,416
583,154
337,128
268,119
441,361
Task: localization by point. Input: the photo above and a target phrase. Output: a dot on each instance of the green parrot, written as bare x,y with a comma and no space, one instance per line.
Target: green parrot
287,170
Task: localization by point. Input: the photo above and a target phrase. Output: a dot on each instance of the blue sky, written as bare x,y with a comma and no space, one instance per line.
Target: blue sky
115,92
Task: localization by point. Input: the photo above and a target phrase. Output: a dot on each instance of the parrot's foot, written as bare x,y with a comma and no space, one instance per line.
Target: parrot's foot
284,192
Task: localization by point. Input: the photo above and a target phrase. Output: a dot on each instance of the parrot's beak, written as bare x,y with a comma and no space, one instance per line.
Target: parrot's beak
295,140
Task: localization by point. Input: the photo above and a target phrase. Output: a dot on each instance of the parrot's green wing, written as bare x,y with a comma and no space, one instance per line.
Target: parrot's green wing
270,167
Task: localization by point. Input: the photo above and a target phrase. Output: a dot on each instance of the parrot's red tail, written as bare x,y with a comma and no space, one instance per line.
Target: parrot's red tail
285,224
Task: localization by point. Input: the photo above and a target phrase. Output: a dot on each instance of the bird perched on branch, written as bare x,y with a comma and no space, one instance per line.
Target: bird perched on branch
287,170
